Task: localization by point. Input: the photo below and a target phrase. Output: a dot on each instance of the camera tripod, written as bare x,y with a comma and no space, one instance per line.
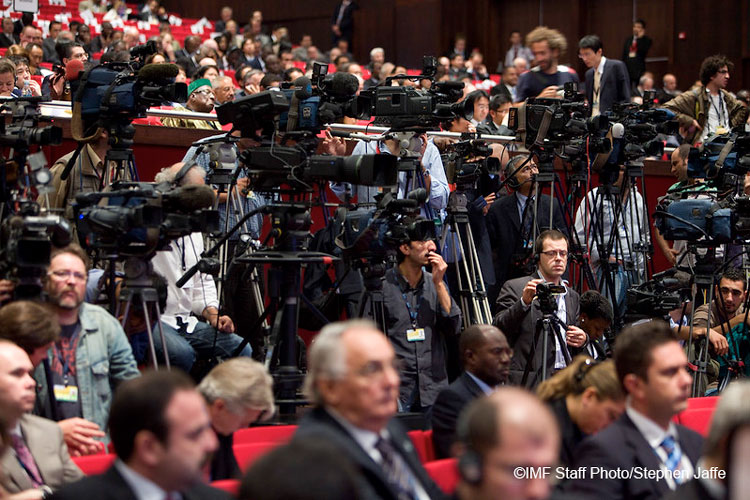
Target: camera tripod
371,303
475,307
545,327
119,162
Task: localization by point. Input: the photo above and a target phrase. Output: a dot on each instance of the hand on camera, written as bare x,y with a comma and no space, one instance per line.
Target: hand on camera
529,291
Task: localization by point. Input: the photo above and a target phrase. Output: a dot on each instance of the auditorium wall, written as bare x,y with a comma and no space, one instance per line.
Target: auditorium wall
683,32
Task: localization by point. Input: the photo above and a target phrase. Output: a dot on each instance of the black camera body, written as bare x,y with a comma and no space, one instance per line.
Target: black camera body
546,293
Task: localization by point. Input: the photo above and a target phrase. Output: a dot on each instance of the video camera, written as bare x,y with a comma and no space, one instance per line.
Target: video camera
547,294
141,218
465,161
23,128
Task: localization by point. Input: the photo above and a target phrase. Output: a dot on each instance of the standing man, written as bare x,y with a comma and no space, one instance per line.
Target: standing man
486,359
709,110
38,458
162,436
634,52
507,85
547,75
342,22
652,369
511,426
352,381
606,79
88,361
520,314
420,316
516,50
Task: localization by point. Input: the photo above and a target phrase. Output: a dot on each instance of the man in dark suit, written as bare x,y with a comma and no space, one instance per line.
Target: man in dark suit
521,311
162,436
652,369
342,22
715,472
606,79
634,52
353,382
38,458
511,240
486,359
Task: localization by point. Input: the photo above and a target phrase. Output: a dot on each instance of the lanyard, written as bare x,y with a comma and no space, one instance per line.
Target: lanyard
66,370
412,312
719,109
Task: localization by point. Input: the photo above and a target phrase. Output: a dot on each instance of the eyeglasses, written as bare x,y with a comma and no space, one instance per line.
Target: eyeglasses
554,253
64,274
204,92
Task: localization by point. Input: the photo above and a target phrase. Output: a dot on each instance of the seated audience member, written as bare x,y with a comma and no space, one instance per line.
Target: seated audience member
88,361
209,71
101,41
39,459
730,419
201,99
352,381
162,435
507,86
495,123
270,81
223,89
7,37
595,318
668,90
486,358
192,322
652,369
481,103
499,432
585,397
520,314
305,469
7,78
30,325
238,392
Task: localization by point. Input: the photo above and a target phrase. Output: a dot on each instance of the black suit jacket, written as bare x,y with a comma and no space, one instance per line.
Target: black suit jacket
692,490
636,65
570,433
347,22
445,412
504,228
614,85
112,486
622,446
519,324
373,483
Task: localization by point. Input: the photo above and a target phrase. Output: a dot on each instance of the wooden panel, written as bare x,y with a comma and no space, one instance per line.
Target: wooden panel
412,44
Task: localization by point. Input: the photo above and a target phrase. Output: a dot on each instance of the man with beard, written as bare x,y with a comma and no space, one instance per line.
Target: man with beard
163,438
486,359
89,359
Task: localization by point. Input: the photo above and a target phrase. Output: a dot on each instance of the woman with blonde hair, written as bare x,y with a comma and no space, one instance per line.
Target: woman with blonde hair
585,397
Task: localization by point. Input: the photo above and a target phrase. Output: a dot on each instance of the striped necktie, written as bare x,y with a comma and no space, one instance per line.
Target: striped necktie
674,456
396,471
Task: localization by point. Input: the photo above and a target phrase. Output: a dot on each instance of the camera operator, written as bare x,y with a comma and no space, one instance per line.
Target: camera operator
520,314
431,171
210,335
511,221
623,210
420,314
56,86
727,306
709,109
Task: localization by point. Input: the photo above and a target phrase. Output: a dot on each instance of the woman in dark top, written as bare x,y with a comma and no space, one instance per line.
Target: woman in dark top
585,397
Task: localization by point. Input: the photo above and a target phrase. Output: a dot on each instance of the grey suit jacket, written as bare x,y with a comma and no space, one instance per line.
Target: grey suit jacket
44,439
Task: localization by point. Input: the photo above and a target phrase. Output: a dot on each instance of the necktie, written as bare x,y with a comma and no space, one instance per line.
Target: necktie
673,457
27,461
597,84
396,471
515,53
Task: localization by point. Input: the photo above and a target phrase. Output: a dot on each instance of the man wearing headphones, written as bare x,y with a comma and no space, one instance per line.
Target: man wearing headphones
207,333
520,314
507,439
511,221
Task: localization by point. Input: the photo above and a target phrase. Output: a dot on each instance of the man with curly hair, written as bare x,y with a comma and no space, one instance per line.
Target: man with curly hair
709,110
547,76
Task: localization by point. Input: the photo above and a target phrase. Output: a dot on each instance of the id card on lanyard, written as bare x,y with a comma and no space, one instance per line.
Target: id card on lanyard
413,334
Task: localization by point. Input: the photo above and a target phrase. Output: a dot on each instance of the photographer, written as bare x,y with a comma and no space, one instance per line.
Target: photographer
56,86
520,314
210,335
420,314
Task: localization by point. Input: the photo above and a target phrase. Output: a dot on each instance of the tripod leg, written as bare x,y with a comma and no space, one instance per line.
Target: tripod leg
151,335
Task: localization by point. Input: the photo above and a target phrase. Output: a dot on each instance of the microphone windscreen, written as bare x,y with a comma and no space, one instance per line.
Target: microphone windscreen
192,197
344,84
73,69
618,130
151,72
304,88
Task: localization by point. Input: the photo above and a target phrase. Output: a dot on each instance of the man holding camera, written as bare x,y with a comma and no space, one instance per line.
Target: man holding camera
522,306
420,313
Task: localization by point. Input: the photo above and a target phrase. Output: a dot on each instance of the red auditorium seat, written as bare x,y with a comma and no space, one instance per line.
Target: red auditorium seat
429,446
265,433
94,464
417,437
706,402
444,473
247,453
231,486
698,420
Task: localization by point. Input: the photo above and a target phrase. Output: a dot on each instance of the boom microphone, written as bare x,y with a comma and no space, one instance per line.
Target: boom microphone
151,72
73,69
303,87
190,198
341,85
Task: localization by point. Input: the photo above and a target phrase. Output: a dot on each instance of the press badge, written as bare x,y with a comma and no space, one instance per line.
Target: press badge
66,393
415,335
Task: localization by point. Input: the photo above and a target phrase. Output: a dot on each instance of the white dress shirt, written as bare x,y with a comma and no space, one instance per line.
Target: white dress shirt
143,488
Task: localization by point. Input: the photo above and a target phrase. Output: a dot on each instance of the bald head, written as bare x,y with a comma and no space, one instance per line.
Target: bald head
510,426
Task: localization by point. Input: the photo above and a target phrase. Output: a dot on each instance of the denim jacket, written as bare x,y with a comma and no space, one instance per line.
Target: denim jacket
103,359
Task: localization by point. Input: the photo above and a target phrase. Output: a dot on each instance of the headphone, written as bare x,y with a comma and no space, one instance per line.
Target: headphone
183,172
511,180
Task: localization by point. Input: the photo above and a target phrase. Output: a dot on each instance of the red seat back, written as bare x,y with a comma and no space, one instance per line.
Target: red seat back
94,464
444,473
698,420
247,453
706,402
231,486
417,437
265,433
429,446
